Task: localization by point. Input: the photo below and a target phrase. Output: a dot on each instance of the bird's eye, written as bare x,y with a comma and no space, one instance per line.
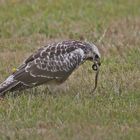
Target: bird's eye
96,56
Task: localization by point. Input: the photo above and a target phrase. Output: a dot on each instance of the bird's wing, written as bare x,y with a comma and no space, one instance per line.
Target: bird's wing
52,62
51,49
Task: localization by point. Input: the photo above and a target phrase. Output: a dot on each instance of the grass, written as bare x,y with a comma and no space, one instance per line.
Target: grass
71,113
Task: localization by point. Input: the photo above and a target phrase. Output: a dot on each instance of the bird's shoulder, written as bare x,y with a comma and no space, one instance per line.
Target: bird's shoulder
56,49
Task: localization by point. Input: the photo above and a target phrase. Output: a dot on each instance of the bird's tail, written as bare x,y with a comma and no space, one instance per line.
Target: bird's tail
9,83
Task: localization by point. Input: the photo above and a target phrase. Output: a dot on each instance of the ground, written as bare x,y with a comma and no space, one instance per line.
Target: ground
71,113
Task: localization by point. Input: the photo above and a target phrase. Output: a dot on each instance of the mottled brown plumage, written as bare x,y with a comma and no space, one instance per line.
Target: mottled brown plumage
53,62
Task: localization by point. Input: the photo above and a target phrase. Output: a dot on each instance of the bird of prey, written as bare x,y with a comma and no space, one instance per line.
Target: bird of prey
52,63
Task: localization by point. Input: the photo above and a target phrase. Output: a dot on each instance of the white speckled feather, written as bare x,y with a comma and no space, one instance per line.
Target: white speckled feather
54,61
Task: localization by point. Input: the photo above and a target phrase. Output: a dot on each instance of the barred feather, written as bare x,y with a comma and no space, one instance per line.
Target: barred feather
52,62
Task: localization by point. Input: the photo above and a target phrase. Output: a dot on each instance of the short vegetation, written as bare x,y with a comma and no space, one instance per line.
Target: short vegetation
70,112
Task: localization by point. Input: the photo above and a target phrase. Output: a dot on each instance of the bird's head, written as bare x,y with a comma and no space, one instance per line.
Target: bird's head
94,56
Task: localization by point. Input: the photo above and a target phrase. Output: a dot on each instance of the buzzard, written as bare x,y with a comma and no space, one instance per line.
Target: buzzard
52,63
